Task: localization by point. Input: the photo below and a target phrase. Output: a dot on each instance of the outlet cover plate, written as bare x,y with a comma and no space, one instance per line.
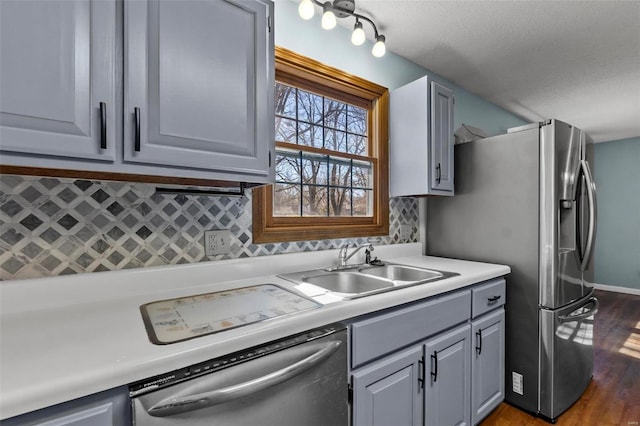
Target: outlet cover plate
217,242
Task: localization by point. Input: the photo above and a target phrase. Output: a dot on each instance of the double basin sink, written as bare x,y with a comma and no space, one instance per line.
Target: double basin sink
364,280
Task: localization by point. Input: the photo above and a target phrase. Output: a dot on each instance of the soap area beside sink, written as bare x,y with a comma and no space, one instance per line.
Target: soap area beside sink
67,337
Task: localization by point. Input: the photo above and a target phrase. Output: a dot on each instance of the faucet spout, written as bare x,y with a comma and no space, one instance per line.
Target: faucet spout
344,257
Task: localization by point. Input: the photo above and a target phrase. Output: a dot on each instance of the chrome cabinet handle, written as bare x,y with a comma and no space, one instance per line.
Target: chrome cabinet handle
176,405
103,125
136,140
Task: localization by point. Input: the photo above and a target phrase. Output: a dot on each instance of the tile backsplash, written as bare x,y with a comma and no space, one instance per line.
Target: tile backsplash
55,226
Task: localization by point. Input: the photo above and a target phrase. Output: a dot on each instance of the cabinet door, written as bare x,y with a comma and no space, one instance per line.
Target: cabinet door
441,138
487,364
108,408
199,84
388,392
447,393
57,70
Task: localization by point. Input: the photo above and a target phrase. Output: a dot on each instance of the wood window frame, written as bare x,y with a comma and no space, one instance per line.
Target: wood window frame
311,75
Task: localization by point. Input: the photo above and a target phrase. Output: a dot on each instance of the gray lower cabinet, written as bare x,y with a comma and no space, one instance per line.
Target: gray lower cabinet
487,363
389,392
108,408
439,361
146,87
448,382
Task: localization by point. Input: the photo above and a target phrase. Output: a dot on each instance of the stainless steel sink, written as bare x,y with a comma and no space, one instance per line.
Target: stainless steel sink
401,272
364,280
348,282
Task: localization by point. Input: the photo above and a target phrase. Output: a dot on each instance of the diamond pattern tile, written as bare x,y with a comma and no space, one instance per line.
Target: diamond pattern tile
52,226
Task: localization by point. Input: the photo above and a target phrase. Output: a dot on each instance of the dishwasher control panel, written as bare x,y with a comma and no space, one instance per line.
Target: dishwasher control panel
217,364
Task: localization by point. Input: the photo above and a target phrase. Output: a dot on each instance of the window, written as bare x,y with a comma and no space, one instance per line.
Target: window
331,156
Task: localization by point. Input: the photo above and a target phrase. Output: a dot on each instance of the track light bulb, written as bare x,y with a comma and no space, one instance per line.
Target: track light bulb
305,9
379,48
358,36
328,17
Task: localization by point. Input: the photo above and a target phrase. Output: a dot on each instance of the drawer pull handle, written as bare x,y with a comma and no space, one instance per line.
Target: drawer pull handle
434,369
494,299
479,340
103,125
136,120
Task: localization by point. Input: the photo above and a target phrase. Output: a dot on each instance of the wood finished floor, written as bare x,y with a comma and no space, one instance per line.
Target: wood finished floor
613,396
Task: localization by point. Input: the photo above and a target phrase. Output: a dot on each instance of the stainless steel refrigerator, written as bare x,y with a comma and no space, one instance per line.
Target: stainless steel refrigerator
527,199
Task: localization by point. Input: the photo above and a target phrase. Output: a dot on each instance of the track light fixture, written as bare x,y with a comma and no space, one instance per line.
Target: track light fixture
331,10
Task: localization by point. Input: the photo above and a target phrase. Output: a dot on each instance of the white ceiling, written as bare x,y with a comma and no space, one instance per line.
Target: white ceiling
577,61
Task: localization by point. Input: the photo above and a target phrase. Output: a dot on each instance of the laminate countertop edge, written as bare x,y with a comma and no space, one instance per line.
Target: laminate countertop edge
56,348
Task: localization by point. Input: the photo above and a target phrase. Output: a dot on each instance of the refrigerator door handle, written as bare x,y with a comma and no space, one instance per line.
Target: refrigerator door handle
593,214
578,317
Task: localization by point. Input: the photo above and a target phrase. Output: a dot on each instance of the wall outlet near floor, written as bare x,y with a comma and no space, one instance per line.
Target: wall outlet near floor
217,242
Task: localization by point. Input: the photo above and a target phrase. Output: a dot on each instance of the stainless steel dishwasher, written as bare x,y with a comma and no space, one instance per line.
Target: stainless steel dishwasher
299,380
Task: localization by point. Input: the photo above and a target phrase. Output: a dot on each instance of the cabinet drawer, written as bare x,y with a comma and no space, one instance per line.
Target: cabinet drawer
488,296
385,333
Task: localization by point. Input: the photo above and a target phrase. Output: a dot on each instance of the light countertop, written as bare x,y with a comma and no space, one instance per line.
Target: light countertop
66,337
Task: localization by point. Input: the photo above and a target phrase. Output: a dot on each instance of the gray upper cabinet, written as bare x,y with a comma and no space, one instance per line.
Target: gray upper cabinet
442,138
168,88
421,139
57,90
198,84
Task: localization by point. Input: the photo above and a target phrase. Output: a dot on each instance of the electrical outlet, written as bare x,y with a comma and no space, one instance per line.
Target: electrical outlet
405,231
217,242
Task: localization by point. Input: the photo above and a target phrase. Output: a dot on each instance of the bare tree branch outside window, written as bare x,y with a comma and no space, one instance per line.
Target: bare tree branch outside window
320,181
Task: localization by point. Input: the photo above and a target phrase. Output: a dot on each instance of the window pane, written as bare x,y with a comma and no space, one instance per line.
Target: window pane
362,176
356,120
362,202
340,172
310,135
357,144
336,140
286,200
314,200
285,130
309,107
335,114
285,100
287,168
314,171
339,202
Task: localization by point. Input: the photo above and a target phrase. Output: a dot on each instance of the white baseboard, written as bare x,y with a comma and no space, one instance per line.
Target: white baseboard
617,289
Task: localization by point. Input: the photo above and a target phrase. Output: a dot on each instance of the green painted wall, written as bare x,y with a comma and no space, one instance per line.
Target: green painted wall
617,176
334,48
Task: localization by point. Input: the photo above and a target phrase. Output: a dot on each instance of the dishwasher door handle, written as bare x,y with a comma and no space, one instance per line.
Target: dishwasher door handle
172,405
